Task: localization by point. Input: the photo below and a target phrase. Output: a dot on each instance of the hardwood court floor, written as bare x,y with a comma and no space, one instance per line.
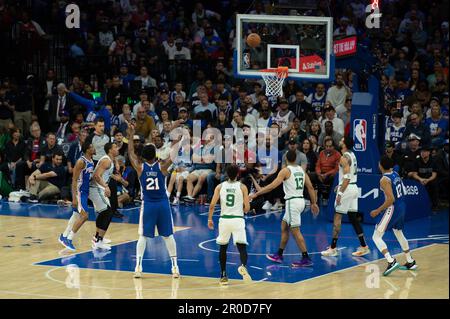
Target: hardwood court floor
35,240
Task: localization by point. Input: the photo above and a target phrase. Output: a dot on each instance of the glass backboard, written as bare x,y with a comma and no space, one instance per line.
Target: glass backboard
302,43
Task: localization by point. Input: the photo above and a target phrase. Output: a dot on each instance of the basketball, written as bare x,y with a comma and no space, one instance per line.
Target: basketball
253,40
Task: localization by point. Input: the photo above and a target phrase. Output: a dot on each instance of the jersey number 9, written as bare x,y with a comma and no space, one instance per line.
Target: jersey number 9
230,200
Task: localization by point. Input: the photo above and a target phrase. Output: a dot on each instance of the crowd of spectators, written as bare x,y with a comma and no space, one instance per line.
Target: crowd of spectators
164,65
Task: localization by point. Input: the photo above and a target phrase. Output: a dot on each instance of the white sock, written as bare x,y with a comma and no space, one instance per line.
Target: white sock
388,257
140,249
171,246
178,194
72,221
168,194
71,235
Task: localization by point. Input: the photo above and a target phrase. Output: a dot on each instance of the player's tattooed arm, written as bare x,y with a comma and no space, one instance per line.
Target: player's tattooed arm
165,166
312,195
131,153
282,175
345,163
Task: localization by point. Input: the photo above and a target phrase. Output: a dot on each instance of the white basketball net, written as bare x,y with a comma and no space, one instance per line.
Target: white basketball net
274,81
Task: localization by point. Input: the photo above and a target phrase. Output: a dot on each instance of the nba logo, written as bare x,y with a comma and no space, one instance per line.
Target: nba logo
359,135
247,60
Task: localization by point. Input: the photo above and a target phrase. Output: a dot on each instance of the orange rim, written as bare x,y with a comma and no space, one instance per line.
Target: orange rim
277,70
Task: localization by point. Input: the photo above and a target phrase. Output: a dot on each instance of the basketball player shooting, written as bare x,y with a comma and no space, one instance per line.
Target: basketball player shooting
347,200
155,212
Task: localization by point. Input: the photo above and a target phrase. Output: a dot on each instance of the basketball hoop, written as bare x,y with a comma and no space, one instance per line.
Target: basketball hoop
274,79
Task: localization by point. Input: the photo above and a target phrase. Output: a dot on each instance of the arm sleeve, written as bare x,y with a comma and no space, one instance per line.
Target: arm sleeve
89,104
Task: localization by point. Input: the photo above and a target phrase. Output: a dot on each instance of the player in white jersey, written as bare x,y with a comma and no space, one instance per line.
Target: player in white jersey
99,194
294,180
234,203
347,200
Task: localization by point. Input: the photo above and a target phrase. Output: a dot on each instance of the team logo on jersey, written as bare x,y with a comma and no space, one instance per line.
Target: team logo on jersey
359,135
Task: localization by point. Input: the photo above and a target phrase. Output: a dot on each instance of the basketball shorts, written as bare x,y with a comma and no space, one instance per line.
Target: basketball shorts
393,218
202,172
99,199
183,174
349,200
82,202
155,219
293,211
232,226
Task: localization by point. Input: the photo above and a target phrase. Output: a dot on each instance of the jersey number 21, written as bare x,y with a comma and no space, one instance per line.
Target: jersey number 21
152,184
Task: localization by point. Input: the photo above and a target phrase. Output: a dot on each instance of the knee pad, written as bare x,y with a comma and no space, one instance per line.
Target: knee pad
352,216
103,219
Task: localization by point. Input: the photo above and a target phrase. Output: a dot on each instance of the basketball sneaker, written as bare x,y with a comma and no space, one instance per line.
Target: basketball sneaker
175,272
330,252
100,245
176,201
275,258
304,262
68,244
223,281
244,273
409,266
189,199
391,267
137,272
361,251
105,240
61,239
267,205
277,206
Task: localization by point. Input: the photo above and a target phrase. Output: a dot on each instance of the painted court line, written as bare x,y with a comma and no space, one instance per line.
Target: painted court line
214,287
102,261
259,268
36,295
201,245
366,263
